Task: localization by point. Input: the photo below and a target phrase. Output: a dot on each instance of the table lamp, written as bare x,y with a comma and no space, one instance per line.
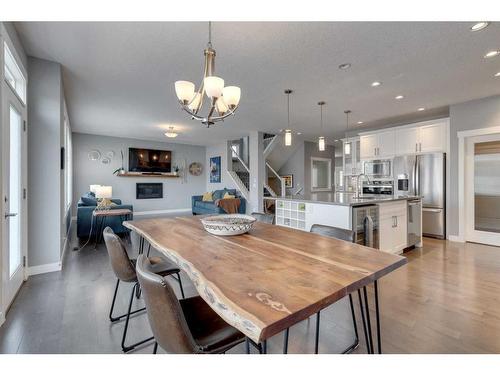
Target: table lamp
93,188
104,194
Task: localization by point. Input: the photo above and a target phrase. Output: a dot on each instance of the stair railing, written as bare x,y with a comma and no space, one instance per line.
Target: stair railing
280,179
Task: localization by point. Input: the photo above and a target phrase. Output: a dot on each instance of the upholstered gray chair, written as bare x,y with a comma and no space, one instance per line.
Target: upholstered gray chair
265,218
187,326
124,270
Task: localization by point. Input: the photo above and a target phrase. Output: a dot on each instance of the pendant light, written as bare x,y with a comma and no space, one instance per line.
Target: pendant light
288,131
347,144
321,139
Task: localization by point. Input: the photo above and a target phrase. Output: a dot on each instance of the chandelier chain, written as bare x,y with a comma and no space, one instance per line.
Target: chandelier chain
210,33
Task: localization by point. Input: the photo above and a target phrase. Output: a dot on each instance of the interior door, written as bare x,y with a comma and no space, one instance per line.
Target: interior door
483,189
14,220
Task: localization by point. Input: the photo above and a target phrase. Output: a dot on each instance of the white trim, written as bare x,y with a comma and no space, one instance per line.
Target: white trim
44,268
160,212
66,240
2,318
482,131
455,238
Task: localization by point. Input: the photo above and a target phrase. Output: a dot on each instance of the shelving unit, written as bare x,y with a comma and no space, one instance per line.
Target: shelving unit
291,214
149,175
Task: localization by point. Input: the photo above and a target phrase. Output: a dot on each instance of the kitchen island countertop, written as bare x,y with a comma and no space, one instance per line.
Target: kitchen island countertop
345,199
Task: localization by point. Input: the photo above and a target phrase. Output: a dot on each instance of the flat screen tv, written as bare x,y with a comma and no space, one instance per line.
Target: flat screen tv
152,161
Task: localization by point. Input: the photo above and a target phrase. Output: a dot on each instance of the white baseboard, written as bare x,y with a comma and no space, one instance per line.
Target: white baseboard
44,268
161,212
455,238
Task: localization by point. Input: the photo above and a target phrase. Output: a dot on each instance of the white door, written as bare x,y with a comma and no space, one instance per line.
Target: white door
483,189
433,138
386,144
368,145
14,220
407,141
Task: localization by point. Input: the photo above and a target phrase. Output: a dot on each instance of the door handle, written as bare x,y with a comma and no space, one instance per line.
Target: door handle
7,215
435,210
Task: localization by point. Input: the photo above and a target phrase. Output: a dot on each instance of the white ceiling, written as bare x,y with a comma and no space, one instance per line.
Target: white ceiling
119,77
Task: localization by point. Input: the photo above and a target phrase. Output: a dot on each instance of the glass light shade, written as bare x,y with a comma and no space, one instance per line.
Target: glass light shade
213,86
93,188
195,103
221,106
232,95
104,192
288,138
184,91
171,133
347,148
321,143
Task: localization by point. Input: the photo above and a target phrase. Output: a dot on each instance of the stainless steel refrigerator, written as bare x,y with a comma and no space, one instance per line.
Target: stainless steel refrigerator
424,175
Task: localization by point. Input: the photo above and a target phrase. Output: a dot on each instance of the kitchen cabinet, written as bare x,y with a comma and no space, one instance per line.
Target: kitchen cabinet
420,139
393,227
377,145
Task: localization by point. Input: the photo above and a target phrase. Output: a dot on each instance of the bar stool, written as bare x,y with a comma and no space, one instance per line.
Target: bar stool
124,270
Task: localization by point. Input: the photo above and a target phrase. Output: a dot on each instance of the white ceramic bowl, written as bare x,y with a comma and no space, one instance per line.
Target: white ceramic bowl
228,225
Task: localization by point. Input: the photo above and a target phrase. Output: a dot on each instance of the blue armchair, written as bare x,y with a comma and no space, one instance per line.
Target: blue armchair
85,208
203,208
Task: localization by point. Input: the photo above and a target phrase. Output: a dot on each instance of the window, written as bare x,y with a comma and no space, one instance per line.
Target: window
68,167
13,74
235,147
321,174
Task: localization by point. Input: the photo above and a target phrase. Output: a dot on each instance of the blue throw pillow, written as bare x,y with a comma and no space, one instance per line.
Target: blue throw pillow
217,194
230,191
88,199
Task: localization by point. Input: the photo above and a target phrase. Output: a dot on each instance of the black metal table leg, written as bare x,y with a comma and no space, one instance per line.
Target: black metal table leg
377,314
285,341
368,320
368,348
247,345
316,342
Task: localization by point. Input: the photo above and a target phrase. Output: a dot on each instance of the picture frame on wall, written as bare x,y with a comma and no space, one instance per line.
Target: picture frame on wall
215,169
288,178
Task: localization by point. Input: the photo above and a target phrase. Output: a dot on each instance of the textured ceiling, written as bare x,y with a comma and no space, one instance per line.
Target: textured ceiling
119,77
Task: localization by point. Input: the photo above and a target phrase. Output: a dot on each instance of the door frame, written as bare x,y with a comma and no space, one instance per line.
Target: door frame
462,210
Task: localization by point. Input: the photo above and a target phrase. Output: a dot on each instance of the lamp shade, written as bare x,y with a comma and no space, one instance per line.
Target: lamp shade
231,95
321,143
195,103
213,86
184,91
93,188
221,106
288,138
104,192
347,148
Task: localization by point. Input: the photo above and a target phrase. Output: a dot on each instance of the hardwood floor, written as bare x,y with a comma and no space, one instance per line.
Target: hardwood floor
445,300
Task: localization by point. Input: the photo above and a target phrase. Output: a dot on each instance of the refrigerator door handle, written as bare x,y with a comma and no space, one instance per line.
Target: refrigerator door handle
417,176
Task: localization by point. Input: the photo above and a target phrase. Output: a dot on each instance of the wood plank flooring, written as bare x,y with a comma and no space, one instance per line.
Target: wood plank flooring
445,300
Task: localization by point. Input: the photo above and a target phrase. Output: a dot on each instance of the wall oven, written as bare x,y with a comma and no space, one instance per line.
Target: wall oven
377,168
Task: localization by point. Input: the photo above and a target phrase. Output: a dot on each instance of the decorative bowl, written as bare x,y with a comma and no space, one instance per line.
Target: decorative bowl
228,225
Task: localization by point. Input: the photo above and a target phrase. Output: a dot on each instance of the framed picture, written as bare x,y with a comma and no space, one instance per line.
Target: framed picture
215,169
288,181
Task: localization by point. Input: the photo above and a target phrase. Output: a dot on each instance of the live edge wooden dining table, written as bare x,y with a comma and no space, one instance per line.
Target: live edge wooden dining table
270,278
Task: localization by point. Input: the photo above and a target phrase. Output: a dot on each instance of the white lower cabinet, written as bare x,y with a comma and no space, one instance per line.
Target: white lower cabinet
393,227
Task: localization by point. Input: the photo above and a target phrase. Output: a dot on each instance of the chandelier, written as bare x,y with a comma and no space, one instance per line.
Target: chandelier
222,101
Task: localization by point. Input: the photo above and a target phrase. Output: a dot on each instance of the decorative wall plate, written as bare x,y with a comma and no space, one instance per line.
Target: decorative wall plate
110,154
94,155
106,160
195,169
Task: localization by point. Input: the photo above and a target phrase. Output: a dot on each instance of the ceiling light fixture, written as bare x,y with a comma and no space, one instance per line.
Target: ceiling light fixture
321,139
421,109
492,53
344,66
376,83
479,26
399,97
347,144
360,122
223,101
171,133
497,74
288,132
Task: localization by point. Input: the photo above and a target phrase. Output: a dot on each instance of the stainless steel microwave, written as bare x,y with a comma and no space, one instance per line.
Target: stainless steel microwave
377,168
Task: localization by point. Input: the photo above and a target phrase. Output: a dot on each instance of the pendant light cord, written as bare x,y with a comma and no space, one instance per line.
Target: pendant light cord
288,109
210,34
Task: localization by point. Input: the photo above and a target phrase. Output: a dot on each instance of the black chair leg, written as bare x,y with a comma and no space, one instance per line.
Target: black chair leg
130,347
155,348
116,318
355,344
285,341
316,342
180,285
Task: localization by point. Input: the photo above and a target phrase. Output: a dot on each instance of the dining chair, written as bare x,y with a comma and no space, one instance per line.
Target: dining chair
186,326
265,218
124,270
345,235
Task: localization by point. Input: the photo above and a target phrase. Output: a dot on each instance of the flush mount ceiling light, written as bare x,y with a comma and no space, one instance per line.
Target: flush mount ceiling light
421,109
171,133
497,74
321,139
344,66
222,101
479,26
376,83
492,53
399,97
288,131
360,122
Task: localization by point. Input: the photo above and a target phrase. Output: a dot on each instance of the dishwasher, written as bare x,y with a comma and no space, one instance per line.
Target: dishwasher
414,222
365,225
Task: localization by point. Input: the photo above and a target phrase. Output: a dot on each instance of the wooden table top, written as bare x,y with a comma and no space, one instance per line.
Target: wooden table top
111,212
272,277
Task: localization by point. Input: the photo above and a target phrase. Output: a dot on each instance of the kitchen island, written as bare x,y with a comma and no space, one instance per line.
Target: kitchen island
394,222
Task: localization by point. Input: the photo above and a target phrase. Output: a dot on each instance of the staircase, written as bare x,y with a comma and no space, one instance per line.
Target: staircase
238,168
273,181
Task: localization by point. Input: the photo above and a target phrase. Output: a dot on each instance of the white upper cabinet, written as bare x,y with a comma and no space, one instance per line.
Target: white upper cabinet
407,140
386,144
378,145
368,146
433,137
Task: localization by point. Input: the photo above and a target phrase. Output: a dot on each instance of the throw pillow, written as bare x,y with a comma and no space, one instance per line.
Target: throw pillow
89,200
228,196
207,197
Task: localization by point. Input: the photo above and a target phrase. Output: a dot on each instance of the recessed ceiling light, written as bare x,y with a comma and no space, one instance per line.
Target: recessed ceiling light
421,109
345,66
376,83
492,53
171,133
399,97
360,122
479,26
497,74
299,133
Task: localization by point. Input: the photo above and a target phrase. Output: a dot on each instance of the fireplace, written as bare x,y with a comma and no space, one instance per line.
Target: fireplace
150,190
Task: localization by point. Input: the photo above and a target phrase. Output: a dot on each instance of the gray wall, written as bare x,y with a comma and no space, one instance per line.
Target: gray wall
177,192
44,174
476,114
295,166
311,150
219,150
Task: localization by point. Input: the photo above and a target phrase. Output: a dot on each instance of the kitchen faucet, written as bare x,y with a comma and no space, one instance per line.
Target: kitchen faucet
359,188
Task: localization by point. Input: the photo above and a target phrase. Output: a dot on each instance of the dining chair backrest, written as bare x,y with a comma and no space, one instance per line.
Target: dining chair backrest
165,314
120,262
339,233
265,218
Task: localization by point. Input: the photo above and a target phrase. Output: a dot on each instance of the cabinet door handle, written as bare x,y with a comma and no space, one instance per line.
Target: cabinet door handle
416,147
420,148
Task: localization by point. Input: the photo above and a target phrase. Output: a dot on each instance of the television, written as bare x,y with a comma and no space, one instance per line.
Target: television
147,160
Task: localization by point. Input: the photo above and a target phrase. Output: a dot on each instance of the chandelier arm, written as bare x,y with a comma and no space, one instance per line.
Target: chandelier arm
227,114
191,113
